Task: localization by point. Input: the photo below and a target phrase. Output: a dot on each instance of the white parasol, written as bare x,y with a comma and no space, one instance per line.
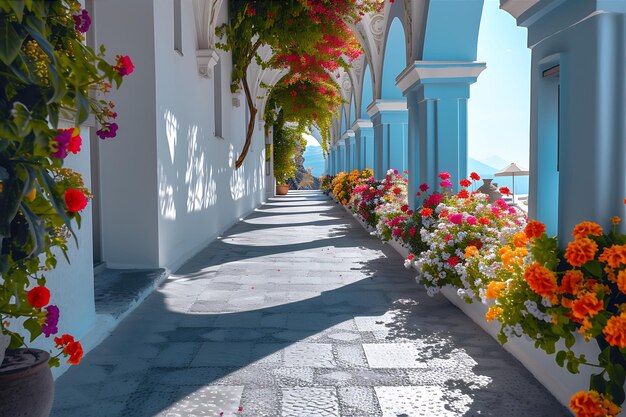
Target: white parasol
511,170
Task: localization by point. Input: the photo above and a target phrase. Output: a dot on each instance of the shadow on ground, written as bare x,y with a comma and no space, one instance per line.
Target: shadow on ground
312,318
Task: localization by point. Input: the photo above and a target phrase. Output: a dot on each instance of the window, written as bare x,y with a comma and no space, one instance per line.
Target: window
217,98
178,30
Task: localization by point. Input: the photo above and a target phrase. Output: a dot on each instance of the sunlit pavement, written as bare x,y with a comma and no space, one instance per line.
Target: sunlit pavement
297,311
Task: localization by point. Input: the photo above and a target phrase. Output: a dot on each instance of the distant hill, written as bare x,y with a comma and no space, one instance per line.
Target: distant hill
487,171
314,159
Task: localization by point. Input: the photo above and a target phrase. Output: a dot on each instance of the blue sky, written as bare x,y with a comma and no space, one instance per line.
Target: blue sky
499,104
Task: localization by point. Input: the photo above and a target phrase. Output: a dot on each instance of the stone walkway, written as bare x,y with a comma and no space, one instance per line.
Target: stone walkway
297,311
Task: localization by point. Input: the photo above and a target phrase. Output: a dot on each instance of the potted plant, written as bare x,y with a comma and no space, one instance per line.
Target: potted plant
287,140
48,73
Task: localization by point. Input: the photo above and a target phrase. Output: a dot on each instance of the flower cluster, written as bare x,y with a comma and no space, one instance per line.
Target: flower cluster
555,294
468,240
364,199
326,182
343,183
392,209
40,199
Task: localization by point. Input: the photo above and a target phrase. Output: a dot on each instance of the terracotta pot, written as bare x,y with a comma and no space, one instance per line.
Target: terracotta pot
282,189
26,384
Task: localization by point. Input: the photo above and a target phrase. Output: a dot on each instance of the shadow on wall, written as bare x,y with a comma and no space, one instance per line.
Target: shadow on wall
169,359
197,168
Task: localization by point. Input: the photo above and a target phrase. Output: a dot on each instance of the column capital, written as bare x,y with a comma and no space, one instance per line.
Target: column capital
381,105
438,72
348,134
206,60
517,7
361,124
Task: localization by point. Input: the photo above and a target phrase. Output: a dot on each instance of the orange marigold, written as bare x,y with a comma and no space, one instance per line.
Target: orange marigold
520,240
534,229
541,280
614,256
615,331
572,282
471,251
585,229
592,404
587,305
616,220
494,288
581,251
621,281
493,312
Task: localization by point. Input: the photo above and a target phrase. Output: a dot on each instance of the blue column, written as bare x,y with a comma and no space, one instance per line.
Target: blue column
390,121
577,129
348,142
342,155
363,135
437,95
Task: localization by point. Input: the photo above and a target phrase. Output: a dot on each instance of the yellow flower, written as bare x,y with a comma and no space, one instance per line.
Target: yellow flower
471,251
493,312
494,288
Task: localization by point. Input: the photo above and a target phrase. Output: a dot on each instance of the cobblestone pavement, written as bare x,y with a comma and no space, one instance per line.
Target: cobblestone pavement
297,311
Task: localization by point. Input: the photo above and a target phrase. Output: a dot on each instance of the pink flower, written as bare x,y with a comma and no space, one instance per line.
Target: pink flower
512,210
495,210
446,183
471,220
502,203
444,175
124,65
397,231
412,231
456,218
447,238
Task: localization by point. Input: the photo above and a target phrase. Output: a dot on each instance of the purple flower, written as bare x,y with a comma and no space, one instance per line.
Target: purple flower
109,130
82,21
62,140
52,319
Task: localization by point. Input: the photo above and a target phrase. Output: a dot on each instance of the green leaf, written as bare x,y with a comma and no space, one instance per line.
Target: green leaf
49,186
54,362
10,42
18,8
33,326
569,340
82,108
59,86
560,357
594,267
616,374
36,227
597,382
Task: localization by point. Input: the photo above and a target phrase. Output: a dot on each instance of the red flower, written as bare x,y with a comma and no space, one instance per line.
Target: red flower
475,176
70,347
426,212
75,142
444,175
124,65
75,200
38,297
412,231
484,220
453,261
404,208
463,194
424,187
397,191
505,190
465,182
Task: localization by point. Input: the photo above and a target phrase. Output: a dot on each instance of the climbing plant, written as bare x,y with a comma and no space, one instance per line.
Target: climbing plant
288,140
306,37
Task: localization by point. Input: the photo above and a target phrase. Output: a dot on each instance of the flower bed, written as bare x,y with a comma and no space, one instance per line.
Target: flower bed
495,266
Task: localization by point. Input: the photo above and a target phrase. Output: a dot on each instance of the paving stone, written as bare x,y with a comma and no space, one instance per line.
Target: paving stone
318,355
297,311
207,401
308,402
403,355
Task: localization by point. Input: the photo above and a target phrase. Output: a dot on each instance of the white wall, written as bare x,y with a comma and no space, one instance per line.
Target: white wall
200,192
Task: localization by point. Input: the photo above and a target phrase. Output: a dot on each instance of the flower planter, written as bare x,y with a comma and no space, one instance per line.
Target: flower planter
26,384
557,380
282,189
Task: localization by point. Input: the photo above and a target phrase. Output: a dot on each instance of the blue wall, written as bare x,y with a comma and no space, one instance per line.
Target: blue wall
395,60
367,96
